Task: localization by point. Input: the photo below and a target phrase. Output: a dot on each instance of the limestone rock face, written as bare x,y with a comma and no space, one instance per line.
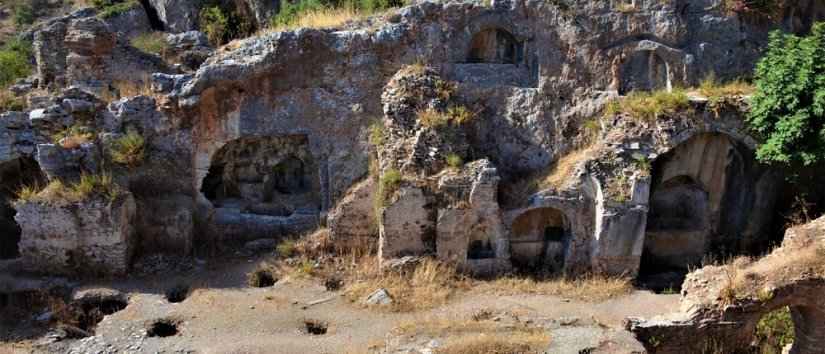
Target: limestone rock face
722,311
353,222
406,226
93,237
177,15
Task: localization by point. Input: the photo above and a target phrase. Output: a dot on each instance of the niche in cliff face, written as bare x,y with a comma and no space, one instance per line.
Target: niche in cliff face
702,200
495,46
539,241
272,176
14,175
644,71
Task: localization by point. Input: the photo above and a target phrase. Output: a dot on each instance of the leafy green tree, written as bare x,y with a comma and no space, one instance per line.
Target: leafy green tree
14,61
788,108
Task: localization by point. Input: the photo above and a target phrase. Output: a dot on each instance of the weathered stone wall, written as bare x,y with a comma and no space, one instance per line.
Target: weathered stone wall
92,237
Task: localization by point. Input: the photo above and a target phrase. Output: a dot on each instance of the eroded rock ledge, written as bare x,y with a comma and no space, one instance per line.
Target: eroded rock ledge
721,305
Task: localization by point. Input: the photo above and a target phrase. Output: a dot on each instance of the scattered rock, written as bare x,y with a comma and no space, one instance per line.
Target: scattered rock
378,297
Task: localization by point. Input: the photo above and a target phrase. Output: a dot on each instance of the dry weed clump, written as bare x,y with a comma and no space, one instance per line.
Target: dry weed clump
591,288
321,18
563,169
430,284
478,336
648,106
58,193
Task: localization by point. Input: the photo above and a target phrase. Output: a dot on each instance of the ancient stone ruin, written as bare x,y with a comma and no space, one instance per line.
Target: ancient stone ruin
458,130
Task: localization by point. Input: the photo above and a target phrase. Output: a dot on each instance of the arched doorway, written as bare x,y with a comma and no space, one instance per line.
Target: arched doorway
495,46
700,195
539,241
14,175
272,176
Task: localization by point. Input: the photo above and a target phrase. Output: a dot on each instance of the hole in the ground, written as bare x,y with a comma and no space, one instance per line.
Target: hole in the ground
162,328
315,327
262,278
333,284
177,293
86,314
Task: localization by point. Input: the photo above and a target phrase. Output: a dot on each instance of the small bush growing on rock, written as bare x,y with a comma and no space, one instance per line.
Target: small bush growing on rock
74,136
460,114
454,160
14,61
152,43
10,102
286,248
23,14
377,133
389,183
775,330
649,105
221,23
88,187
128,150
789,104
112,8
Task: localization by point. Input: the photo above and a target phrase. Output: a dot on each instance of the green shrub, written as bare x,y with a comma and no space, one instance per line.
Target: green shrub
377,134
14,61
775,330
286,248
23,14
128,150
454,161
291,11
788,108
112,8
222,23
152,43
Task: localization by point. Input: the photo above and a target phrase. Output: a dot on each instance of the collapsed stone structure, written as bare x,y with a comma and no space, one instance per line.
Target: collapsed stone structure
721,305
271,136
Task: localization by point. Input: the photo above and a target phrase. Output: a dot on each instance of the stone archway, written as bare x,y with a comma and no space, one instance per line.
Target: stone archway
539,240
14,175
700,197
272,176
495,46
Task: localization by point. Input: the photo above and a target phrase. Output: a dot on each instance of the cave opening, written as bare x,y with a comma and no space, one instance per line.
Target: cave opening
705,204
495,46
152,14
539,241
14,176
272,176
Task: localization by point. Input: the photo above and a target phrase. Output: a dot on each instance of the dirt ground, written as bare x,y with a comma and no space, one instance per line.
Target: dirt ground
222,314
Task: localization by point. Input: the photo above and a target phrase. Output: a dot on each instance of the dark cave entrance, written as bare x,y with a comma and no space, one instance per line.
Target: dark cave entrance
539,241
154,19
704,196
14,175
495,46
272,176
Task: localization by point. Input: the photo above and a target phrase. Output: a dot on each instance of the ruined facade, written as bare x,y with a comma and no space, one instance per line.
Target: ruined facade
271,136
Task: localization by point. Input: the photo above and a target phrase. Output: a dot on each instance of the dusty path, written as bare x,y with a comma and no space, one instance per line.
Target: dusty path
224,315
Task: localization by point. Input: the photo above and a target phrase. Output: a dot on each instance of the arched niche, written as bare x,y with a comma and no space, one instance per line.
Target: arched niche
14,175
539,240
700,197
495,46
644,70
264,175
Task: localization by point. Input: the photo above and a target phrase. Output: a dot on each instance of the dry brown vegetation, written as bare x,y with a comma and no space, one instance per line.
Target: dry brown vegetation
58,193
430,284
478,336
591,288
321,18
563,169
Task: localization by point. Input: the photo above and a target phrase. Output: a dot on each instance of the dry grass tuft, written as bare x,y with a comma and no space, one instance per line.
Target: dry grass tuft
714,90
88,187
430,284
321,18
649,105
471,336
564,167
592,288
